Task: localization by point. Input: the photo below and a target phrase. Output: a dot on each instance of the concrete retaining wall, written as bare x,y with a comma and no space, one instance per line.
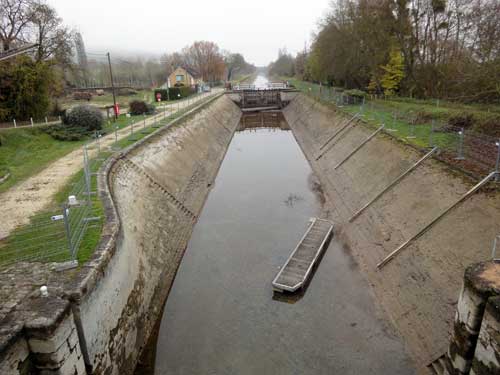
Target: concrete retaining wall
99,319
420,287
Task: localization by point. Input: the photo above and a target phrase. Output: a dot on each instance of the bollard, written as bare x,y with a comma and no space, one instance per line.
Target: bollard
15,124
460,146
46,120
32,124
481,281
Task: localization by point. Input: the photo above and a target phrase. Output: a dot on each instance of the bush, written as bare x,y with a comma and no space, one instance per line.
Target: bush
82,95
489,126
139,107
463,120
173,93
85,116
356,93
64,132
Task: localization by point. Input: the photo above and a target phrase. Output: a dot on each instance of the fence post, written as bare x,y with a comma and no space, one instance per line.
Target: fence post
67,229
86,171
412,130
394,117
497,164
431,134
460,147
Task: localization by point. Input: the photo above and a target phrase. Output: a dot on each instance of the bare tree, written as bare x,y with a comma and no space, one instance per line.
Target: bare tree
55,41
15,20
206,58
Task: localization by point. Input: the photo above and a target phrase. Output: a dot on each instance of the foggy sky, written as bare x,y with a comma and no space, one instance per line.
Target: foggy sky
255,28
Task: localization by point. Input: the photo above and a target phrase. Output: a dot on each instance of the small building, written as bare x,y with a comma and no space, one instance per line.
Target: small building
184,77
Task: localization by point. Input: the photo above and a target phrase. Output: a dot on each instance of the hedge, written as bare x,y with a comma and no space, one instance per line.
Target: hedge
173,93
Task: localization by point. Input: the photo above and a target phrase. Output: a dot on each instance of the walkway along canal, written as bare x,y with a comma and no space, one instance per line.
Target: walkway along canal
221,317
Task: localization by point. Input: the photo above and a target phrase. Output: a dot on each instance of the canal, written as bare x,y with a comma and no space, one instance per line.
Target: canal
221,316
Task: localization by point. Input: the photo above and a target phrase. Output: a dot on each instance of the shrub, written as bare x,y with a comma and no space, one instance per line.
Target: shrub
85,116
356,93
489,126
463,120
82,95
65,132
173,93
139,107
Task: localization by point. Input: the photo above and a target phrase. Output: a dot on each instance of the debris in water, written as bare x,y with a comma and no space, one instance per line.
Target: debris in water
293,199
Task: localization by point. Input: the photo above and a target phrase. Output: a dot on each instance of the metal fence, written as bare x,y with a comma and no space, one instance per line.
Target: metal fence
472,152
68,234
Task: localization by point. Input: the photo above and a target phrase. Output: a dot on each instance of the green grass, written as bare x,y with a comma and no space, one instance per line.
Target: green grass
25,152
422,113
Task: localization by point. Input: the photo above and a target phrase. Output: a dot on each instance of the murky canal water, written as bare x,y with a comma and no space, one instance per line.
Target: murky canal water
221,318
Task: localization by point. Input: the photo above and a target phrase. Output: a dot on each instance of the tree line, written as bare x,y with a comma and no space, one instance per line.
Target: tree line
60,61
422,48
211,63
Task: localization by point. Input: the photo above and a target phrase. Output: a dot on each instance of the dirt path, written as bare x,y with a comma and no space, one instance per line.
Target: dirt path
30,196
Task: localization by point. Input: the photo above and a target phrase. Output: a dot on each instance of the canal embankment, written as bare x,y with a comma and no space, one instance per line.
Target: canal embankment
96,319
420,287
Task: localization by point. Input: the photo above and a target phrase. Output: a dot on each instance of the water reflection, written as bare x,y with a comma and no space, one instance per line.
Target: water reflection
260,82
263,120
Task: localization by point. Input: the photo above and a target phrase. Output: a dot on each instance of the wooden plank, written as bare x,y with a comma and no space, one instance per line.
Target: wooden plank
297,269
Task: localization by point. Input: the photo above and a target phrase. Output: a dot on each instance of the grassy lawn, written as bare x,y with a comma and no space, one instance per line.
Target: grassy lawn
44,239
24,152
419,122
423,111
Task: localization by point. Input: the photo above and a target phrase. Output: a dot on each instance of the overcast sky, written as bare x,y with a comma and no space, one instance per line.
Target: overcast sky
255,28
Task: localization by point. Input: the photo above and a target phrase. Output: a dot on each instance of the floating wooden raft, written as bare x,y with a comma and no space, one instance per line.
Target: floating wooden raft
298,267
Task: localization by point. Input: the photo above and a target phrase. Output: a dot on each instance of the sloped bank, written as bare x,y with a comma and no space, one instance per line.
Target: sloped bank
98,321
420,287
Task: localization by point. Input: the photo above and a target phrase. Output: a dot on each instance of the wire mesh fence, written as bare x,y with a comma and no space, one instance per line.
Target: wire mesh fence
69,231
473,152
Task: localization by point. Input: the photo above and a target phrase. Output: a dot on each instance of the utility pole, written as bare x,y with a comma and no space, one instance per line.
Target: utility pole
112,87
